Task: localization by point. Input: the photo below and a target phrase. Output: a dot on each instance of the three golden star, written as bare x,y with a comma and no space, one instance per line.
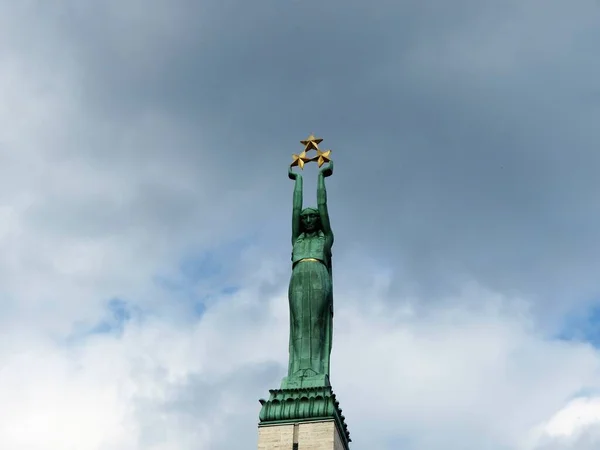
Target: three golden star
311,143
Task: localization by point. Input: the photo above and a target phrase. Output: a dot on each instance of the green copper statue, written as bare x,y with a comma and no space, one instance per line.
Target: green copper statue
306,393
310,291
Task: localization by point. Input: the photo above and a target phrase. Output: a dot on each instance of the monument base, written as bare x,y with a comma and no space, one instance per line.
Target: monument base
299,408
318,435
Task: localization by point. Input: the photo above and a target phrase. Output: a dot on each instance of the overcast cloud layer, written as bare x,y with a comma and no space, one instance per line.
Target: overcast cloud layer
145,219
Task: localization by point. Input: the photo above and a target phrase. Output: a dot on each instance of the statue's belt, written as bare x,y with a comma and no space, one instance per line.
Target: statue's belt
308,259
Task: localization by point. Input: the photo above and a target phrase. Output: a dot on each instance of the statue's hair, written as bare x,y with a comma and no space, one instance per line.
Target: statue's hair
309,210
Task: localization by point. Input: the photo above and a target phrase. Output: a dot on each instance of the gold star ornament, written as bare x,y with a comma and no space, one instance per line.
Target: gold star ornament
311,143
323,157
300,160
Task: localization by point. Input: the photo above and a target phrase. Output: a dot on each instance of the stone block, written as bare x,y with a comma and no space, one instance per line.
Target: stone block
318,435
276,437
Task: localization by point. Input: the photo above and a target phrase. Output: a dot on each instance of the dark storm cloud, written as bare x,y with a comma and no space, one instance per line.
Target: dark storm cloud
477,121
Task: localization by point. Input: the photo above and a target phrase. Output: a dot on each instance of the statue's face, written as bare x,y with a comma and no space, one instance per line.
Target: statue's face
310,221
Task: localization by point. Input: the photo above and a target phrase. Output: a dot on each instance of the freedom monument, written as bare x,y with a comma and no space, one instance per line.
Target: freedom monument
304,414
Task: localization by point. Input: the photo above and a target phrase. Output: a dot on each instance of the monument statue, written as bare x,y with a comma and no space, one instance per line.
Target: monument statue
310,290
306,395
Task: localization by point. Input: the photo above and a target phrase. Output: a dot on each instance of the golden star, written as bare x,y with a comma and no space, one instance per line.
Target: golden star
300,160
323,157
311,142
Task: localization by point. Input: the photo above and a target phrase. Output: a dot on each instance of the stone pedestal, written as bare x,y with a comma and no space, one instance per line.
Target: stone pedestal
318,435
308,418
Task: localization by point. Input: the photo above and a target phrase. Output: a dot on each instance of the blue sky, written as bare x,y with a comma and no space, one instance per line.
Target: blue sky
145,219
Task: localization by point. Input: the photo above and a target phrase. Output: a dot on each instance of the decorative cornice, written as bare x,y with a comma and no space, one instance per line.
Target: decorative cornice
301,405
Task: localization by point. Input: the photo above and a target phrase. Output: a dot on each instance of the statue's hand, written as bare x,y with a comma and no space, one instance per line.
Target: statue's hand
327,171
293,175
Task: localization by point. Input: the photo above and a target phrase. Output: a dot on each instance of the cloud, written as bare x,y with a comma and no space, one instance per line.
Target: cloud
460,374
574,426
144,145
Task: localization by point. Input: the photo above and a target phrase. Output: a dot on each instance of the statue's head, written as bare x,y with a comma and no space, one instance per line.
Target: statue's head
310,220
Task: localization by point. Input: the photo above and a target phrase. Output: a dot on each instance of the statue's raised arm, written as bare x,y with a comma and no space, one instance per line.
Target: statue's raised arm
322,202
297,204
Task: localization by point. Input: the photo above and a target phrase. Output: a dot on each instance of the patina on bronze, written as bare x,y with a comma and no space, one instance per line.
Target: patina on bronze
310,291
305,393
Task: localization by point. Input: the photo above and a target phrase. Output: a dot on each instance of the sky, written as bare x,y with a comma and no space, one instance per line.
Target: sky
145,219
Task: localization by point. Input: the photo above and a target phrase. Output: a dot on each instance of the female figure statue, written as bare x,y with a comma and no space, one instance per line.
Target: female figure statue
310,291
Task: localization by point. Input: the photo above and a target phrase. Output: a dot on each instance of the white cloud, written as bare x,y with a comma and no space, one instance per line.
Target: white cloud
95,203
579,413
469,376
576,426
